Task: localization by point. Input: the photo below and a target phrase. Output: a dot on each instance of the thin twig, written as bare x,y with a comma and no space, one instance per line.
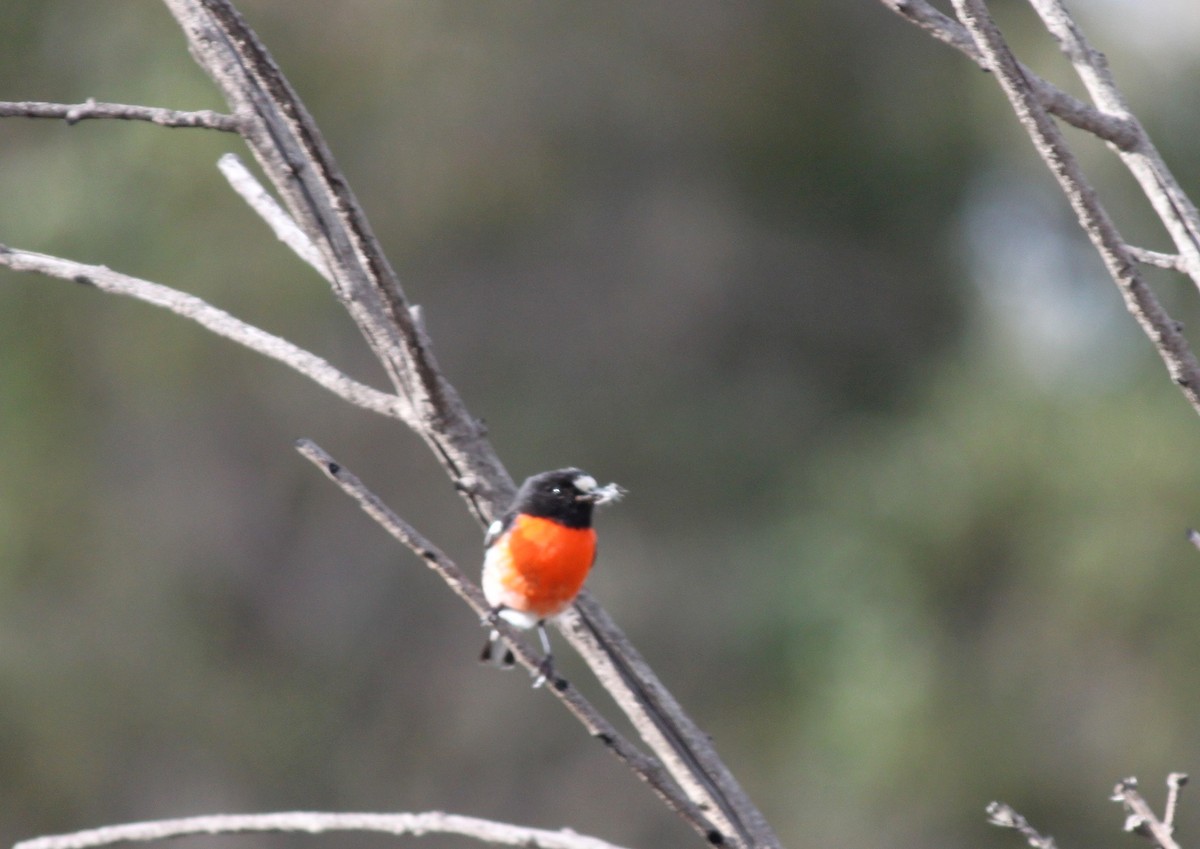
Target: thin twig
1143,160
1175,782
1113,128
1164,332
260,200
314,822
649,769
1142,819
1171,262
212,318
90,109
1004,816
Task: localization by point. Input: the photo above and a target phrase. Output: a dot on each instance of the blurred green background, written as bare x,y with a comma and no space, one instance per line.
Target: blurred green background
908,490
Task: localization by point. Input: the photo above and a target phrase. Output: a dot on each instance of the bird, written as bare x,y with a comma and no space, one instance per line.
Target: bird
538,555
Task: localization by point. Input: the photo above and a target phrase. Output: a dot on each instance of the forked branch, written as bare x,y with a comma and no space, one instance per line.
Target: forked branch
322,221
1034,100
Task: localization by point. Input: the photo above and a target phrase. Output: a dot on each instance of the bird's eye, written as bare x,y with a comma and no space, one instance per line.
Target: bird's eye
557,490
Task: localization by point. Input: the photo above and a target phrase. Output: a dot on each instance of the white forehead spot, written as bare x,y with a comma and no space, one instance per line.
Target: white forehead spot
584,483
495,527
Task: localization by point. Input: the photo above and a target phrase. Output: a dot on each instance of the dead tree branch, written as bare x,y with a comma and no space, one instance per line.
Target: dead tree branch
1174,208
214,319
289,148
977,36
268,209
1113,128
73,113
311,822
1141,818
292,153
1163,331
650,770
1004,816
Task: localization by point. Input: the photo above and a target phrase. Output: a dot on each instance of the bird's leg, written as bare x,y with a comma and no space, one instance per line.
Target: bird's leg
546,666
488,654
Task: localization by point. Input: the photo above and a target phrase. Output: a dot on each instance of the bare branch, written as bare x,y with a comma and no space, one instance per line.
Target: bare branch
260,200
216,320
1171,262
686,750
73,113
312,822
1142,819
1004,816
290,150
1164,332
1123,133
649,769
1175,782
1173,206
292,153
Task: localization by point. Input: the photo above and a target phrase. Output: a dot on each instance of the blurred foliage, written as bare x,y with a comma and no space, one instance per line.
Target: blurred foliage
908,491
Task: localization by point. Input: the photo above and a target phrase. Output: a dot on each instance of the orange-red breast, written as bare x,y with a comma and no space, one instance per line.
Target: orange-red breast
539,554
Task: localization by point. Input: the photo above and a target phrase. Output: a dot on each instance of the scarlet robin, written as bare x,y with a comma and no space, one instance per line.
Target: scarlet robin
540,552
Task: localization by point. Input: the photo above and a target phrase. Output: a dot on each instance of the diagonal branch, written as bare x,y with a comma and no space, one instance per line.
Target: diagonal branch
1125,134
647,768
289,147
313,822
73,113
291,151
259,200
1005,816
1163,331
1143,160
214,319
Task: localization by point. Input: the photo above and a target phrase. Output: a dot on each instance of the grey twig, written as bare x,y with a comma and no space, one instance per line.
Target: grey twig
1175,782
1122,132
1171,262
312,822
73,113
1141,818
648,769
269,210
1164,332
1174,208
292,153
212,318
1004,816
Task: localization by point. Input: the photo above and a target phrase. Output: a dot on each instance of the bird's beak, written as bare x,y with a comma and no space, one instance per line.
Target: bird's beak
606,494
